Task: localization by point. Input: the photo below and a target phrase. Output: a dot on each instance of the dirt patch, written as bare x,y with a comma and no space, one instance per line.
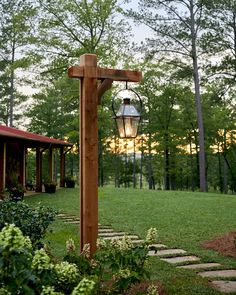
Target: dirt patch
223,244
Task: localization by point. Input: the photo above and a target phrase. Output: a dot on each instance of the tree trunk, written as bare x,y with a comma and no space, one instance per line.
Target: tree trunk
225,178
220,170
191,165
134,167
11,104
202,165
167,164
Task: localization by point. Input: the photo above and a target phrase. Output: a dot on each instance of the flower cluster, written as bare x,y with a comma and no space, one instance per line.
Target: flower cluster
101,243
4,291
123,274
151,235
86,250
152,290
49,290
124,244
41,261
85,287
12,239
70,246
67,273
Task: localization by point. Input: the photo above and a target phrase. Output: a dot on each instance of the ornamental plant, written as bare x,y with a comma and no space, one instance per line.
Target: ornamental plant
116,265
112,270
33,222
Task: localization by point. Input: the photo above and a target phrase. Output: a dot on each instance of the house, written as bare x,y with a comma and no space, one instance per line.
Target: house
14,144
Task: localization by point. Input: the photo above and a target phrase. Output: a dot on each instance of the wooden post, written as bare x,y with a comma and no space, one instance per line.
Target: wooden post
22,164
62,167
2,166
38,170
89,153
50,164
90,97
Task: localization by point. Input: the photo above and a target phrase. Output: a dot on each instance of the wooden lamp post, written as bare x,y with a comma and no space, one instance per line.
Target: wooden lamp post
90,97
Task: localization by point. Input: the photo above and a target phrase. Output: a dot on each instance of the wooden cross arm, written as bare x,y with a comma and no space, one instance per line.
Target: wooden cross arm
102,73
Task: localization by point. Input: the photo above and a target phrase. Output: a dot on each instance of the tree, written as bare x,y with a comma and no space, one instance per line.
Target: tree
16,34
177,28
71,28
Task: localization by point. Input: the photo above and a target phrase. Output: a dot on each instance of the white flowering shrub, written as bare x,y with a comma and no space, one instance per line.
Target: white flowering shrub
152,290
67,275
85,287
151,236
41,261
12,239
49,290
4,291
113,268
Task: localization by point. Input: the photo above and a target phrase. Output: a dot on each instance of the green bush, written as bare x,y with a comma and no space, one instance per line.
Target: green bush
112,270
33,222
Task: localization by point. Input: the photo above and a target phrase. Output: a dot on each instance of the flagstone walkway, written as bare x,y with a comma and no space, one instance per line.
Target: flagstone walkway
177,257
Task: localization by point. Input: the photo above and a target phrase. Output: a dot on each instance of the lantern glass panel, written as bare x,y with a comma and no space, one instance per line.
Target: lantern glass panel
120,126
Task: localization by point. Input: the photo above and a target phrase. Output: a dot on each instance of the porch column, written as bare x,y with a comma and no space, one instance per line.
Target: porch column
50,164
38,170
22,164
62,167
2,166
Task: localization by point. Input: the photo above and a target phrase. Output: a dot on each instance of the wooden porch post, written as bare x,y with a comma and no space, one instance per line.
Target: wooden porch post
38,170
90,96
2,166
22,164
50,164
62,167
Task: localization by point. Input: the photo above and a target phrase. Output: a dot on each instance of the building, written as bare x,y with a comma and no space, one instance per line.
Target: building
14,144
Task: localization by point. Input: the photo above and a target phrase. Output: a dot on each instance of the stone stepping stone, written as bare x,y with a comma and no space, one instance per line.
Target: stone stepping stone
181,259
166,252
224,286
199,265
105,230
104,226
218,273
137,241
73,222
120,237
111,234
157,246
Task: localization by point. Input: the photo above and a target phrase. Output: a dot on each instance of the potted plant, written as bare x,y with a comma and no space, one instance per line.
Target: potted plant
50,186
16,192
70,182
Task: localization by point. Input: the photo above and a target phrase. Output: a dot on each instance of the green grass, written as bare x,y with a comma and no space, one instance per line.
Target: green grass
183,219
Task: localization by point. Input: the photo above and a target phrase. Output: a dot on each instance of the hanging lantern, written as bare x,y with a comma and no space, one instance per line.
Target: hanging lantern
127,117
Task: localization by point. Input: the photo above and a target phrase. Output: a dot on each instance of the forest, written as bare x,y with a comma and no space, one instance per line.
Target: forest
186,137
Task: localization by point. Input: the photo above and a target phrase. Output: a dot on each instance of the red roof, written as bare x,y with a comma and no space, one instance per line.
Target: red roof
16,133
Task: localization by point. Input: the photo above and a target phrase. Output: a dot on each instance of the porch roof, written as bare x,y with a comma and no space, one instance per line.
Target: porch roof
30,137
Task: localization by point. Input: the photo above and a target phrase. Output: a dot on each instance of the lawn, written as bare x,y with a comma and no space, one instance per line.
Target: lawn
183,219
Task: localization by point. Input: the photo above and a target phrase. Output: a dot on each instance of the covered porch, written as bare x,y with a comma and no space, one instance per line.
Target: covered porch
15,143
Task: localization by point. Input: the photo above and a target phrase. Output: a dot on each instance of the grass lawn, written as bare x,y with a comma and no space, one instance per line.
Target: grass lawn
183,220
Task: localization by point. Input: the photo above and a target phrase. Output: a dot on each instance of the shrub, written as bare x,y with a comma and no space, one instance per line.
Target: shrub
112,270
33,222
15,260
116,265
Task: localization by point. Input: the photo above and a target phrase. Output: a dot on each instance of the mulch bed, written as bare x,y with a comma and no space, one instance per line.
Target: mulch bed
223,244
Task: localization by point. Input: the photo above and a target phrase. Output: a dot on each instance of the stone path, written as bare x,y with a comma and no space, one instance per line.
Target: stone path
177,257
